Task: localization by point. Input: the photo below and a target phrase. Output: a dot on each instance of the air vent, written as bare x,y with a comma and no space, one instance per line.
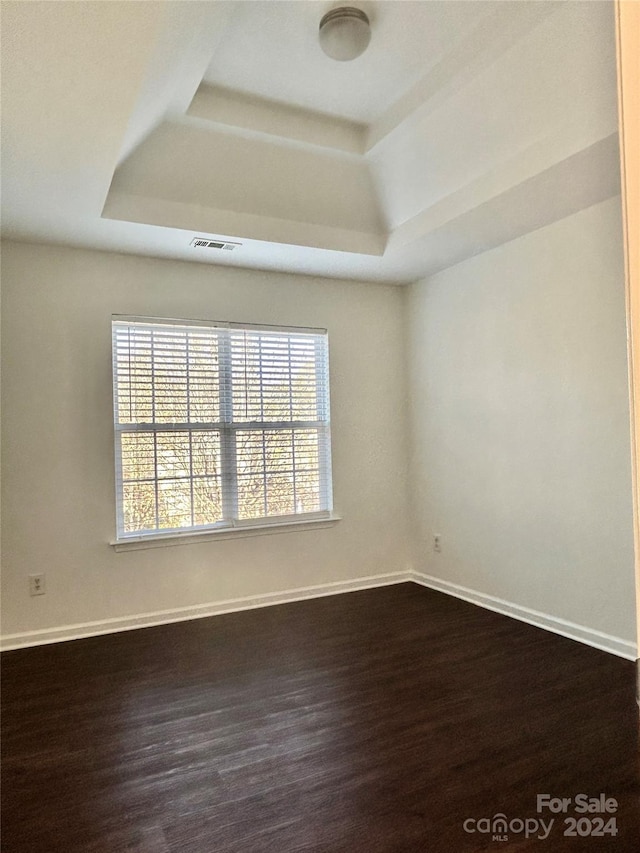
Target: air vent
204,243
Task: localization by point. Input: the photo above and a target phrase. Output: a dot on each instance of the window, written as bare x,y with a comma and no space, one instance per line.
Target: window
218,426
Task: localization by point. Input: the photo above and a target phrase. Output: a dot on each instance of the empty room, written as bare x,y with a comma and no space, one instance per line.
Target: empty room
317,434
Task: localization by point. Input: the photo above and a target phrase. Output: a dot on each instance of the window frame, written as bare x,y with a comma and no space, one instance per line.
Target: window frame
227,430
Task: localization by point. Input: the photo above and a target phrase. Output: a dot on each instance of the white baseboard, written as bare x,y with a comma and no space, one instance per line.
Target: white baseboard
597,639
199,611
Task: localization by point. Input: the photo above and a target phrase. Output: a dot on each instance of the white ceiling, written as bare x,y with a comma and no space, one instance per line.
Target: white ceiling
136,126
271,50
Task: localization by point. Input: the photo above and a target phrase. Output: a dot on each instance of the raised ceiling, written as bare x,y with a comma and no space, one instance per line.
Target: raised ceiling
271,50
138,126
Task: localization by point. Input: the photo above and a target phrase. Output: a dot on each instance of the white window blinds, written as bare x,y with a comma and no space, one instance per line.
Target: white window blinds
218,425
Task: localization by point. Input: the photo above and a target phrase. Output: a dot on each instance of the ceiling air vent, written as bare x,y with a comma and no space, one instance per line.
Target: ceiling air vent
204,243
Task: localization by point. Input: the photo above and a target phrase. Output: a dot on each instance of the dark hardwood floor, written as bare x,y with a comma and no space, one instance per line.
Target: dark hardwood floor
373,722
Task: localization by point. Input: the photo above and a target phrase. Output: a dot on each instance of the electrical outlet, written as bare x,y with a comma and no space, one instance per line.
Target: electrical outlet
37,585
437,545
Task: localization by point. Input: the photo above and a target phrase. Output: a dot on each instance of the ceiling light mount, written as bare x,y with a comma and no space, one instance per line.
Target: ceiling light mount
344,33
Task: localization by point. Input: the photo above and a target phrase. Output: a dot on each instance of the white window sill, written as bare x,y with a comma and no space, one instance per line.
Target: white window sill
162,540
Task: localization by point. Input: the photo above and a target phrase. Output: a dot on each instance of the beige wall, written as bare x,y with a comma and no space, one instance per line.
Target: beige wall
514,366
58,480
519,423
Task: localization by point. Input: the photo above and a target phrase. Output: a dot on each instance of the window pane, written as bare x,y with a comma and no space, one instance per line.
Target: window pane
280,495
204,377
138,459
174,458
175,491
166,375
138,507
308,492
169,376
278,472
306,448
133,367
207,500
174,503
205,453
250,452
251,497
304,405
274,377
279,450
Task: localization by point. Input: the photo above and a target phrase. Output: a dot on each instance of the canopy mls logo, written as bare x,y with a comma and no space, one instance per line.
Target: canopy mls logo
499,827
598,823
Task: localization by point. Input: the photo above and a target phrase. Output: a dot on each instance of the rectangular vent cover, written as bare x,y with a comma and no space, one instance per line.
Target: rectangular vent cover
204,243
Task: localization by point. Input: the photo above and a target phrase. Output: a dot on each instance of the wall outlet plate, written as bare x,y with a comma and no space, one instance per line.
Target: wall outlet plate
37,585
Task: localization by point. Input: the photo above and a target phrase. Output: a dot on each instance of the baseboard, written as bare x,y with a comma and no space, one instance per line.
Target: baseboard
597,639
182,614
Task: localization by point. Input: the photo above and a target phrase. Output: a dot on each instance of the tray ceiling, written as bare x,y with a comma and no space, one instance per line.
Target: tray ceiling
135,127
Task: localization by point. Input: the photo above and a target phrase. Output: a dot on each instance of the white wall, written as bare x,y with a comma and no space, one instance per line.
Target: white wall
519,423
58,481
518,430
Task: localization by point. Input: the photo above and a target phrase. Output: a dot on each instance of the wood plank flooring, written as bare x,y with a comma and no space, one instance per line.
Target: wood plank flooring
372,722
